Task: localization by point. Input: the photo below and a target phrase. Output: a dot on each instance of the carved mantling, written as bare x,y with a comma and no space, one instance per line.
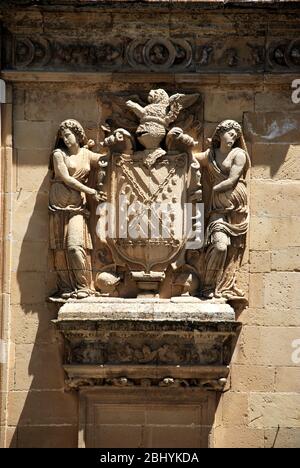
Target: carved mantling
147,343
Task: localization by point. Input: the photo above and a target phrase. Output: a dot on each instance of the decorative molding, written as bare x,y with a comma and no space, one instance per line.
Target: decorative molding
145,351
152,54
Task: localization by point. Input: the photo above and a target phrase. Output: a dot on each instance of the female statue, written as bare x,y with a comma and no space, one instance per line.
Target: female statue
225,166
71,162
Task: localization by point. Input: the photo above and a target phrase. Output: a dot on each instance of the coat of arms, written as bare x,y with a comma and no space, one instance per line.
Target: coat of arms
152,216
153,186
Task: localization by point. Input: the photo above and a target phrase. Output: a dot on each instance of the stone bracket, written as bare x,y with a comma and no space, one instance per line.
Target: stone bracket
111,342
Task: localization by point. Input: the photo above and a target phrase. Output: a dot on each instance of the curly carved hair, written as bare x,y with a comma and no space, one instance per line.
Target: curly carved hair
224,127
76,128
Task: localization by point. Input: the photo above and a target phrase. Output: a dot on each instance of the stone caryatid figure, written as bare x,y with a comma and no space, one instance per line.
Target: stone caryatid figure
224,168
70,240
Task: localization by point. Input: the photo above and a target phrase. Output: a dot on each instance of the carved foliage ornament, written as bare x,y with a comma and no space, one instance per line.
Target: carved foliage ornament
146,193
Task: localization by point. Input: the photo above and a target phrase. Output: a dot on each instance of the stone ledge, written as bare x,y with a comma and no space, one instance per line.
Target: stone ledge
146,310
181,342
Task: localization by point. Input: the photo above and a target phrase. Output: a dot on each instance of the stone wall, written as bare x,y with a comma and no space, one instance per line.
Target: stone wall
261,405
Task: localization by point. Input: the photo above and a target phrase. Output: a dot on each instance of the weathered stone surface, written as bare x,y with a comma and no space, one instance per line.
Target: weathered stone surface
177,309
287,379
64,436
238,437
273,411
30,217
274,233
242,73
275,161
260,261
81,104
248,378
136,339
281,290
41,408
26,132
257,290
32,323
271,317
233,105
235,409
266,346
29,256
31,372
286,259
284,437
270,198
28,288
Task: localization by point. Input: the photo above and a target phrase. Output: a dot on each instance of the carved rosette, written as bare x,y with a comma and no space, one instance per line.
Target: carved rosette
155,54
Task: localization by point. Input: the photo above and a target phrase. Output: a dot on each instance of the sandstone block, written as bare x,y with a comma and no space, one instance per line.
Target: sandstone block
231,105
283,437
266,346
238,437
272,199
282,290
274,233
287,379
275,161
28,288
80,104
29,135
42,407
31,372
273,410
32,323
286,259
235,408
47,436
260,261
252,378
29,256
256,290
30,219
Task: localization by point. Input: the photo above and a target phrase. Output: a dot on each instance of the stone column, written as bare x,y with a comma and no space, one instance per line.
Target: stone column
6,185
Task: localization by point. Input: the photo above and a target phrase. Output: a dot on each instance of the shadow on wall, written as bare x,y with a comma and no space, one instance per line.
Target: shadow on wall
43,414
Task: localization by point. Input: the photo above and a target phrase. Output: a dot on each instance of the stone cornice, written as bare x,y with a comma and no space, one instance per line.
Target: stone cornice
149,4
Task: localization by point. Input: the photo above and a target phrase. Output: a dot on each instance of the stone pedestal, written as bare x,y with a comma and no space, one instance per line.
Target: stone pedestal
150,342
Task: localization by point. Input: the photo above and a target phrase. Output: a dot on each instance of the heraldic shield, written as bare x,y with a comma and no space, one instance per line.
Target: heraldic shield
148,215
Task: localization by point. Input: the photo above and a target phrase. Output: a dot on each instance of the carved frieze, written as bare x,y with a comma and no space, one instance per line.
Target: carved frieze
152,54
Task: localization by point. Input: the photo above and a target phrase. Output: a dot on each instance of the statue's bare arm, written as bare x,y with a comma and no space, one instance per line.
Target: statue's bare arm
62,172
202,158
136,108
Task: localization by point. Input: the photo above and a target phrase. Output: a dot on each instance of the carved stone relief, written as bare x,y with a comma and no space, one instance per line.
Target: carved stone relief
128,222
155,54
